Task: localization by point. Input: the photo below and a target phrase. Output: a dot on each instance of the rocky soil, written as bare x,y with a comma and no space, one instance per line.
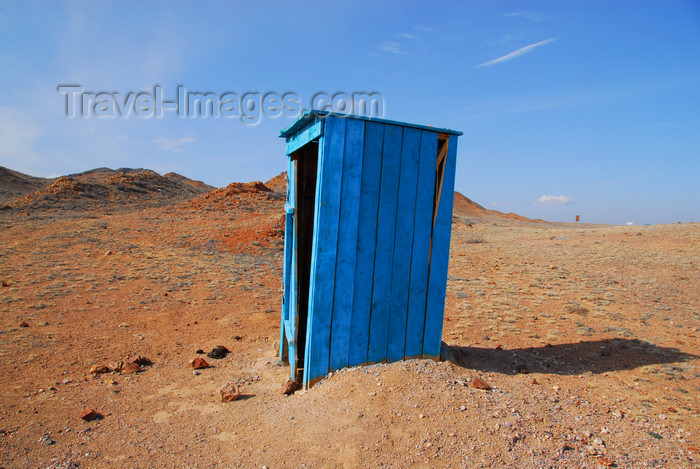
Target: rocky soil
564,346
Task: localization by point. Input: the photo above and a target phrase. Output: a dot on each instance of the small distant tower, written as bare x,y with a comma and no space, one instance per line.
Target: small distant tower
578,218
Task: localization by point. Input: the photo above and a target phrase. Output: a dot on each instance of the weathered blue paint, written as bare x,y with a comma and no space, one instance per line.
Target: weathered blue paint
440,256
287,272
386,229
379,242
312,131
324,251
420,257
403,240
366,242
290,323
347,243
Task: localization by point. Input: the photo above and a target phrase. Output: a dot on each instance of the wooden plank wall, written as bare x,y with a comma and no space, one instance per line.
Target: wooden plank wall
378,263
440,256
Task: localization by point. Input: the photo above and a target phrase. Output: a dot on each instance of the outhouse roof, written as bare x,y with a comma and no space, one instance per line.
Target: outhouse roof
309,116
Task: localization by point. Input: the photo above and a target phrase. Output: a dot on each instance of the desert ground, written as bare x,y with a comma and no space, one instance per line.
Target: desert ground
586,337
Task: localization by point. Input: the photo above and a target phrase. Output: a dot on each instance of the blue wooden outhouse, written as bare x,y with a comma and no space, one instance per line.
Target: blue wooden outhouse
367,239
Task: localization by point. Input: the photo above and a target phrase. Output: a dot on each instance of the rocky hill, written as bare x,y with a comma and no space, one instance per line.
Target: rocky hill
100,188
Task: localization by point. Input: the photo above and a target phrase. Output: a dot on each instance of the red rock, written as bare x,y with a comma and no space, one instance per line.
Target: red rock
5,284
289,387
606,462
139,360
229,392
99,369
23,324
129,368
199,363
479,383
89,415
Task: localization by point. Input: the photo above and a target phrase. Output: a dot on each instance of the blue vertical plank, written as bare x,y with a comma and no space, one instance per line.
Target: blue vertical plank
366,242
287,273
420,257
440,256
386,227
293,281
403,240
323,250
347,244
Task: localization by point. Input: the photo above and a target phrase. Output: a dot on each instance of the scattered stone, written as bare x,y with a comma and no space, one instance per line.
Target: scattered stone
99,369
617,414
229,392
200,351
199,363
47,440
116,366
108,253
23,324
195,372
598,441
89,415
289,387
237,337
606,462
129,368
5,284
218,352
139,360
655,435
479,383
534,381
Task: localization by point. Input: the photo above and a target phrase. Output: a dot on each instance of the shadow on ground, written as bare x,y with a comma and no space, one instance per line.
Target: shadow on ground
598,356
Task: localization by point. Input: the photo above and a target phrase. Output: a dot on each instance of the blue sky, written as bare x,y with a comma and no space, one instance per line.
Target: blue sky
587,108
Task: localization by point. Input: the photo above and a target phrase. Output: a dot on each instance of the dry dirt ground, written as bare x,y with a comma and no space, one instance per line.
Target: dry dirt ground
587,335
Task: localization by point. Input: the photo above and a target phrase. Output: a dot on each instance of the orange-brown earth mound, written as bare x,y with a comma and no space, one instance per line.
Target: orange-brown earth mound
565,346
107,189
465,207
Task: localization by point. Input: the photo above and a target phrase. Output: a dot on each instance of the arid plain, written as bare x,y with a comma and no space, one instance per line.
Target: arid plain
586,335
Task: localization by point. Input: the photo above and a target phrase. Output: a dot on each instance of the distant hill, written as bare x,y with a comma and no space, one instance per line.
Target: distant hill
465,207
15,184
123,188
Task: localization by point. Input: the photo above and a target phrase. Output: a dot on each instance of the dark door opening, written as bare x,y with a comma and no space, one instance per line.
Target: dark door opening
306,165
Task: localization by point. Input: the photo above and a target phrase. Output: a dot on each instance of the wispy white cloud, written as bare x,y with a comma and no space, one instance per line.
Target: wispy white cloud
529,15
407,36
516,53
425,29
392,47
173,144
553,200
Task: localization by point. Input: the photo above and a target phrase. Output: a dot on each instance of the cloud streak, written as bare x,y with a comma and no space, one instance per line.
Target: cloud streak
173,144
553,200
516,53
529,15
392,47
